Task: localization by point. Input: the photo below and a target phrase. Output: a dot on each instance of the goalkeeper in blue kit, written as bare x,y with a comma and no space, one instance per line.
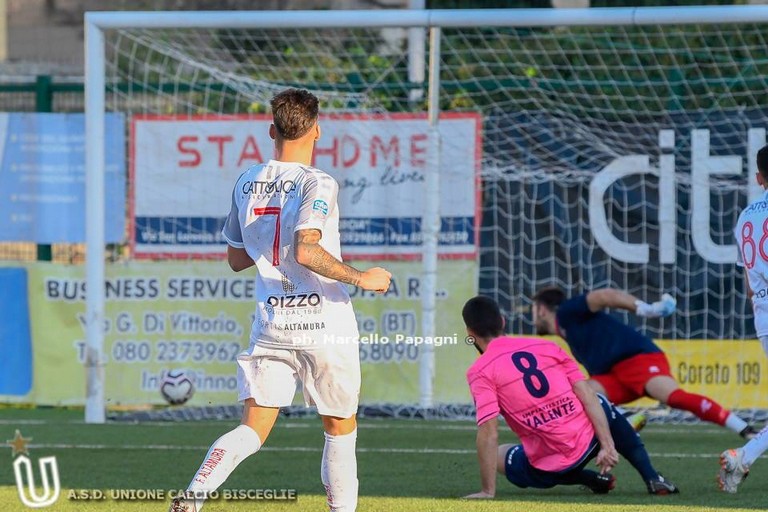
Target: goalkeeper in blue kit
623,364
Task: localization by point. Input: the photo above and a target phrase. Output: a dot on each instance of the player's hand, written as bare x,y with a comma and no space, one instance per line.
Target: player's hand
664,307
607,458
482,495
375,279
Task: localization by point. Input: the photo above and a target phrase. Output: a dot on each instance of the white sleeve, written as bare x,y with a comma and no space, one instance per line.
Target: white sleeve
318,200
231,231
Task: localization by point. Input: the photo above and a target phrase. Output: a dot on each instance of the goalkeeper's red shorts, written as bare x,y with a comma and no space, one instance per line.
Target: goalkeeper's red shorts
626,380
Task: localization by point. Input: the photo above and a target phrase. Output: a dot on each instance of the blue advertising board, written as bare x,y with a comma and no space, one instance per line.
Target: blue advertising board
42,177
15,338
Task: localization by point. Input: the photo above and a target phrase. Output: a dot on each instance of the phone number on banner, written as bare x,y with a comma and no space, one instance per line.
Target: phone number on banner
142,351
388,353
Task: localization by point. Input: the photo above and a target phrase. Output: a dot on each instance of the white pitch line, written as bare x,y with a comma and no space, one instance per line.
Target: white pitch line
62,446
318,449
680,429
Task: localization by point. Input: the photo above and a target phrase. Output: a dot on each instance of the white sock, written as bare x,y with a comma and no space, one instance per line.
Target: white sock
339,471
755,447
223,457
735,423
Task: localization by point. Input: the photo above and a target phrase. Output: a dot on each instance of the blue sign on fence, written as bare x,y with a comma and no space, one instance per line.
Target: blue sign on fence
15,339
42,177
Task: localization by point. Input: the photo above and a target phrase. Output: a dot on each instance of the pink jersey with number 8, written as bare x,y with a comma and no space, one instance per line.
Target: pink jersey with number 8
530,382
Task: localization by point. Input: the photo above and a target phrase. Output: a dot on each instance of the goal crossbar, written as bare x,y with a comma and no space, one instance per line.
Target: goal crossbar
428,18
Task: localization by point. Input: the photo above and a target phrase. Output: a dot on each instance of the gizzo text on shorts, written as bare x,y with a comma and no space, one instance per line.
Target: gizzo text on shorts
375,339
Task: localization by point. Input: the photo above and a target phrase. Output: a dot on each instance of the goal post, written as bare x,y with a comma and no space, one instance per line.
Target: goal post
95,168
612,146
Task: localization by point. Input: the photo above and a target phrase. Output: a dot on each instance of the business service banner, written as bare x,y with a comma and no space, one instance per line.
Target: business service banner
196,316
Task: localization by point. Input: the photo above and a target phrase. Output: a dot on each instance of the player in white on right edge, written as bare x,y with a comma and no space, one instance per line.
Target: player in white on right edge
285,220
751,233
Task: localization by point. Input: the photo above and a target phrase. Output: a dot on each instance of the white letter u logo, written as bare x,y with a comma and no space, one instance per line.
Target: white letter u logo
49,495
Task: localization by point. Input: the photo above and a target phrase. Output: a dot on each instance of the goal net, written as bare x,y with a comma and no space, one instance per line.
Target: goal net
580,156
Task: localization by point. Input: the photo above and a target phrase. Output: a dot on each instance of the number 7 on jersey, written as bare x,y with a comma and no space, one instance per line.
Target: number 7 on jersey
272,210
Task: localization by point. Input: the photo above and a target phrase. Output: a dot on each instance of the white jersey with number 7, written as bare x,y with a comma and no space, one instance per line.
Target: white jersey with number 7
752,236
296,308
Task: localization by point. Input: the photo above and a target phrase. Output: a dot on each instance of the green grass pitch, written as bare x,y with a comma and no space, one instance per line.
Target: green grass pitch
403,465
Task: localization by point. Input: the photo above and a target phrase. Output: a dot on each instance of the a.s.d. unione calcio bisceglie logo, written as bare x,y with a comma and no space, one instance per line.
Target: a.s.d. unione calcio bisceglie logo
25,478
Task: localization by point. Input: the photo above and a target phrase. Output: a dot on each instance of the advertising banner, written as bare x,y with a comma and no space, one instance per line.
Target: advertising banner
733,372
197,316
42,177
15,337
648,205
183,170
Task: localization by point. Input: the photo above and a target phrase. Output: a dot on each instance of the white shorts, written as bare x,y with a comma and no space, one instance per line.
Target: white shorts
330,377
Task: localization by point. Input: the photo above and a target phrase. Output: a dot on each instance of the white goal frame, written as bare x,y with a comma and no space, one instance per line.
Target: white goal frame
434,20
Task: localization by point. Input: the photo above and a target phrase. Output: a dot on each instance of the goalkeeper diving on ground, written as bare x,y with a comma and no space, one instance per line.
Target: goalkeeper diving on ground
623,364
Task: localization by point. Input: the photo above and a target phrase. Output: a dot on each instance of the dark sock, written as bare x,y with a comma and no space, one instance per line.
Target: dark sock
628,443
579,477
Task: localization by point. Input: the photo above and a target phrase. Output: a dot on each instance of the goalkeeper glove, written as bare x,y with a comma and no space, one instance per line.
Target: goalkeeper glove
665,307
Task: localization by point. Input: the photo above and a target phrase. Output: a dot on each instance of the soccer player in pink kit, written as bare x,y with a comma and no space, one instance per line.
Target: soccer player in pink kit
545,399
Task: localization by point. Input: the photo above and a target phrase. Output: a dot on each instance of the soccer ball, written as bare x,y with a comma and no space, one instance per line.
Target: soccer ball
176,387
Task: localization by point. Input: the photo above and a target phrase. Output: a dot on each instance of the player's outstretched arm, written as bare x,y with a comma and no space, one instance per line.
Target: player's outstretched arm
608,457
610,298
613,298
487,455
312,255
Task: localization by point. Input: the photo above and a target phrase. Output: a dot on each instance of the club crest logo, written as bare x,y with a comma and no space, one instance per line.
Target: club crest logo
320,208
25,479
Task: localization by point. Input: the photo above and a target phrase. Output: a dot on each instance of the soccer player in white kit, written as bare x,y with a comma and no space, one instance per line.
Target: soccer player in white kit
285,220
752,238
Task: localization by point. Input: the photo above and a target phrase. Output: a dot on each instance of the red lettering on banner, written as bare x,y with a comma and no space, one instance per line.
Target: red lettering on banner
344,151
189,147
195,154
418,151
352,160
393,147
333,151
250,151
220,140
